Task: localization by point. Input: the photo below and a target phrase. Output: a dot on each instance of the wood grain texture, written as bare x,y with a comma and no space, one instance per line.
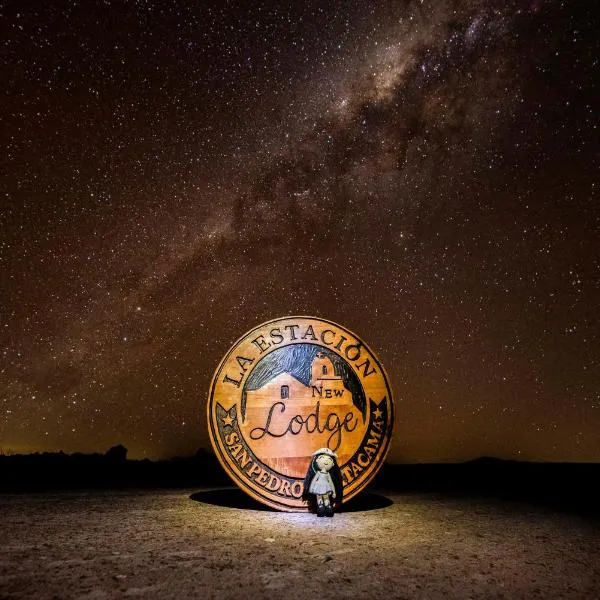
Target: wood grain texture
288,387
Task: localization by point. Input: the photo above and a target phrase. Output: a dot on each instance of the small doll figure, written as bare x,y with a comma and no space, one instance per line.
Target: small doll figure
323,482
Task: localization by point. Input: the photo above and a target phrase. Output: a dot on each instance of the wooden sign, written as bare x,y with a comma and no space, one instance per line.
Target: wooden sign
288,388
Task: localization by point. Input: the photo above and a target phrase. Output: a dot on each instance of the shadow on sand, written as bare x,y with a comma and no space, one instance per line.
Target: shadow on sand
236,498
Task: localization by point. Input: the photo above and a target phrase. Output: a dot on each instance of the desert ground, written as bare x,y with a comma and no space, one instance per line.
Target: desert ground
217,544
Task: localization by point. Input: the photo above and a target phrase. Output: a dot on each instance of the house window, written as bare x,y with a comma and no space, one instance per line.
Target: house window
285,392
324,369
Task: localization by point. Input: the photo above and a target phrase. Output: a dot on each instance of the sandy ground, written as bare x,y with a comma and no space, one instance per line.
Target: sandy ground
174,544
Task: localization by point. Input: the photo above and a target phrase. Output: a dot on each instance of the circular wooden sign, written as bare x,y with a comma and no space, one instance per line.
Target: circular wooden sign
289,387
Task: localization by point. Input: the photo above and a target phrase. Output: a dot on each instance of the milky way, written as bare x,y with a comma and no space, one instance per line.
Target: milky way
423,173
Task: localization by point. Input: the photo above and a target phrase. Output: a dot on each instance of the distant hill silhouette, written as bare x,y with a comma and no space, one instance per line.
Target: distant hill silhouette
569,485
57,470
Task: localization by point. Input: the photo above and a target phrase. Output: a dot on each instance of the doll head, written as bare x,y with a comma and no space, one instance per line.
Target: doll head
324,462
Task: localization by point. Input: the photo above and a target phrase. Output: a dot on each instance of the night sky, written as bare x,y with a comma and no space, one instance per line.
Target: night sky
424,173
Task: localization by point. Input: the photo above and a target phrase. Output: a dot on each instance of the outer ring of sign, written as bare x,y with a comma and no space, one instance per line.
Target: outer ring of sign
241,482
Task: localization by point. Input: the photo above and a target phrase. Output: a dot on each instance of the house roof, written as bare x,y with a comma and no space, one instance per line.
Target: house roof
282,379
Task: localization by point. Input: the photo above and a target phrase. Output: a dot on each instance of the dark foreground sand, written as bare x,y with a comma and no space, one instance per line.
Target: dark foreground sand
163,544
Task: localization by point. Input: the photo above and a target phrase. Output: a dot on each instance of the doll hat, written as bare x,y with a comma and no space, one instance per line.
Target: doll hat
325,451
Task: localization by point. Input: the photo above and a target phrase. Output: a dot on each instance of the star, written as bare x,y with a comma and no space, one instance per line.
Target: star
377,413
228,420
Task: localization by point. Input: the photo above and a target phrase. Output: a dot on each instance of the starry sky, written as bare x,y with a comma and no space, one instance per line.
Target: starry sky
425,173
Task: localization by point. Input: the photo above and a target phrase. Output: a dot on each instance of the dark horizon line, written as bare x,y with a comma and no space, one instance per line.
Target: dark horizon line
210,454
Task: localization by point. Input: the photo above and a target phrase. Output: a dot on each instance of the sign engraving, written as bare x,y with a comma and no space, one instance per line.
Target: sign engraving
289,387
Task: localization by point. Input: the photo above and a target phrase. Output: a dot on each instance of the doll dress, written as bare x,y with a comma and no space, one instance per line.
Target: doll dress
321,484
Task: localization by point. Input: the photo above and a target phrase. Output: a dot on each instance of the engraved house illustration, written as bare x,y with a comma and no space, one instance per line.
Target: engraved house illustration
324,385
